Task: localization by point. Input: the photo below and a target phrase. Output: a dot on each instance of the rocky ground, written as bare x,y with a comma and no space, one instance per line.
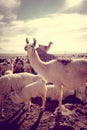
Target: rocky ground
74,116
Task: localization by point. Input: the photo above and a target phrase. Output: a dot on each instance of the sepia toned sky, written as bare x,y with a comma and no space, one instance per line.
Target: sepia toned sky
64,22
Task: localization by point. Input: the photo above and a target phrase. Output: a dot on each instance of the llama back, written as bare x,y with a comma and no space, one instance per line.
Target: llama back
82,64
34,89
20,80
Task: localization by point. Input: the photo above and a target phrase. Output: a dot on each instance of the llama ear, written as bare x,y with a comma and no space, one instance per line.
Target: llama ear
34,43
27,41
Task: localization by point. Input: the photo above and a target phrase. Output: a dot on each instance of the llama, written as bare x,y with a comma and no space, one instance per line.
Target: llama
45,48
82,93
71,74
35,89
18,65
4,66
53,95
14,82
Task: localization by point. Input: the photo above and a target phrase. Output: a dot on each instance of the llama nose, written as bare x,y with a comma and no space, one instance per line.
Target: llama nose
25,48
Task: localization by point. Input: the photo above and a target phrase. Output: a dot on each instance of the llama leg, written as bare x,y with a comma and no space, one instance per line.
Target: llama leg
43,102
29,104
3,115
84,93
1,110
26,105
60,98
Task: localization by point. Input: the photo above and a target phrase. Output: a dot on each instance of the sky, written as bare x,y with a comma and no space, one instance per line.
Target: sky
63,22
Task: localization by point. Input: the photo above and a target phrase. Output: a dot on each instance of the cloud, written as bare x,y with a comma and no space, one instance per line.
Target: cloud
38,8
44,21
9,4
1,17
80,8
2,39
7,9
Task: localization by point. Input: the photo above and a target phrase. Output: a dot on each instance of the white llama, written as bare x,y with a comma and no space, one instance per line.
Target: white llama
35,89
71,74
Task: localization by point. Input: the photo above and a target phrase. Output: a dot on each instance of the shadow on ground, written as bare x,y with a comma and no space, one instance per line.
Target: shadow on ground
14,122
35,125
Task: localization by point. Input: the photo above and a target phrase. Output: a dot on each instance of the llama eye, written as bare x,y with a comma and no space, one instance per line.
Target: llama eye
32,46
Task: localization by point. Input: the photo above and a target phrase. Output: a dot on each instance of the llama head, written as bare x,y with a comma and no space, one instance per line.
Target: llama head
50,43
29,47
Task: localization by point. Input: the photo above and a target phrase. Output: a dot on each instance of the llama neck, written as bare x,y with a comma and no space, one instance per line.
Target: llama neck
36,62
49,45
19,99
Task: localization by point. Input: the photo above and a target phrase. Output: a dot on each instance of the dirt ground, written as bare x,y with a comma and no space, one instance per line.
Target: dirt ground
74,116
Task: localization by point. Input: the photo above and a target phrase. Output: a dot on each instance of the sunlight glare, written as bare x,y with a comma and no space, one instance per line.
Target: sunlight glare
73,2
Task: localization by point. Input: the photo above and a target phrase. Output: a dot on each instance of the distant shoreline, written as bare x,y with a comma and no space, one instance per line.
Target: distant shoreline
48,53
13,54
24,54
